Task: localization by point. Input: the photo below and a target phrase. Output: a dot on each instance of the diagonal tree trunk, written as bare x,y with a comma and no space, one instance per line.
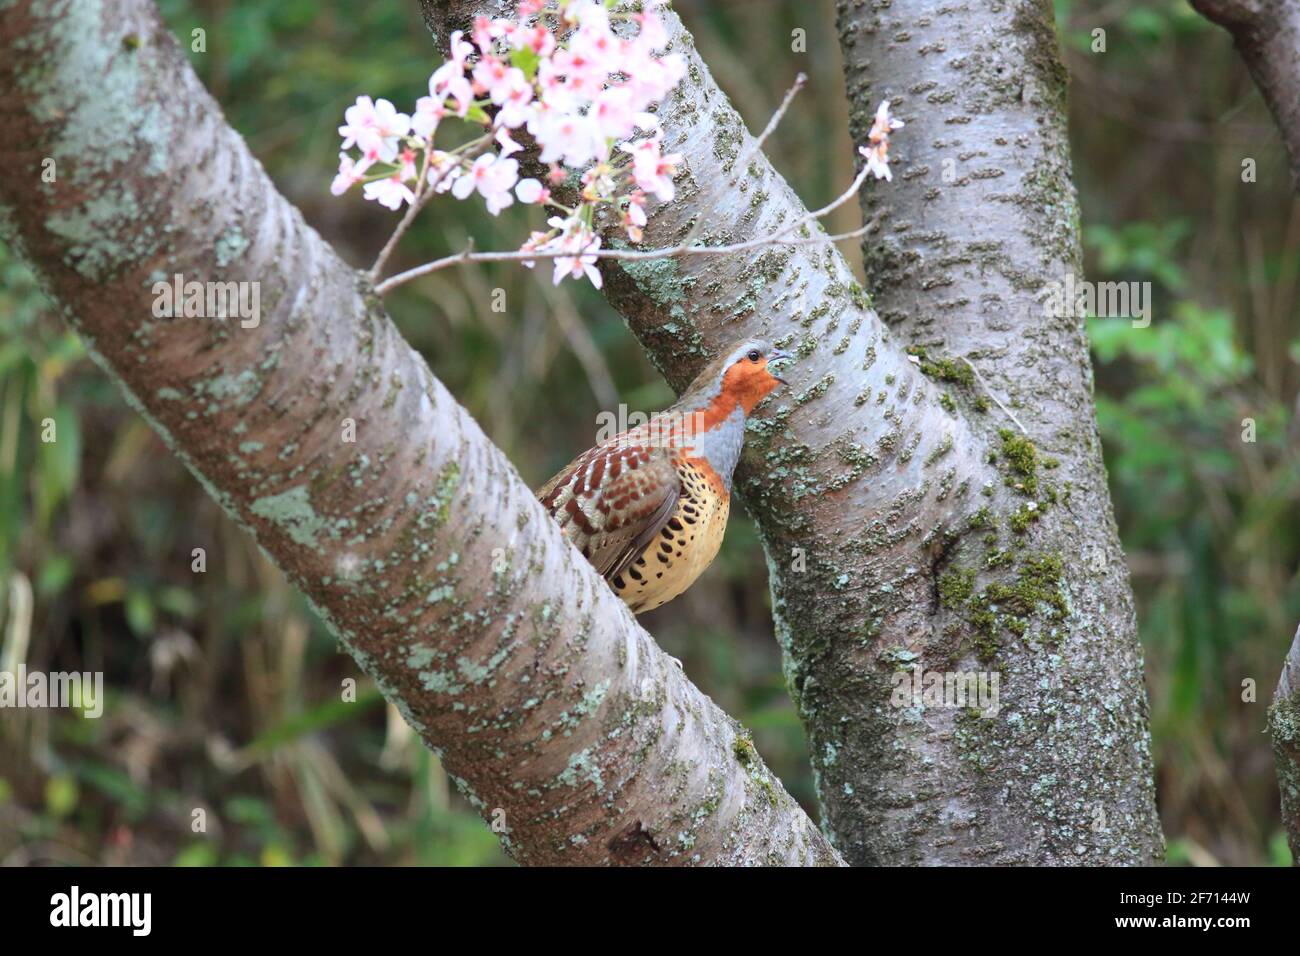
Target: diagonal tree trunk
326,437
1267,35
908,522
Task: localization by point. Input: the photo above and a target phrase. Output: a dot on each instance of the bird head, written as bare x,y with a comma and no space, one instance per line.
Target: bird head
739,375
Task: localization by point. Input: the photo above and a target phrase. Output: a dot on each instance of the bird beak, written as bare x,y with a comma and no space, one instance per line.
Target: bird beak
774,356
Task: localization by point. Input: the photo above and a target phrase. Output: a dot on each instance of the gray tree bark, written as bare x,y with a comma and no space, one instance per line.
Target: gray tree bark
1284,727
983,221
417,542
1267,35
908,523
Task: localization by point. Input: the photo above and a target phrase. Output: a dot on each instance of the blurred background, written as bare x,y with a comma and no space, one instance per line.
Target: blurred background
223,690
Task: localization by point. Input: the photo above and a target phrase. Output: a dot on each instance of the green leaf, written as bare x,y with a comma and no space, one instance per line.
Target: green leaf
323,715
116,785
55,574
178,601
197,854
275,855
140,614
60,795
526,59
249,811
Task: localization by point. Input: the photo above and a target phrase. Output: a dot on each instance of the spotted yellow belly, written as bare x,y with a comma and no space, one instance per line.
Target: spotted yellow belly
681,551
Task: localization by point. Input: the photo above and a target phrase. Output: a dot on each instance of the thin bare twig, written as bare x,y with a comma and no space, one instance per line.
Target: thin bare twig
684,248
772,124
634,255
422,194
424,191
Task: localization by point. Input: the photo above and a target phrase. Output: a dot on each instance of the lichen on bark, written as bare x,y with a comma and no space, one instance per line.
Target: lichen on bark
866,479
327,438
1284,728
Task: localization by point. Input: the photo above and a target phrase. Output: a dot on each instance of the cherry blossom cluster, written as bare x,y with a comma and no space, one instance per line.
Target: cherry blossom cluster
876,152
582,92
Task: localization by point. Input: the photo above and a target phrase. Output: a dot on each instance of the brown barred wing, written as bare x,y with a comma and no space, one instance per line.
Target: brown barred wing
612,501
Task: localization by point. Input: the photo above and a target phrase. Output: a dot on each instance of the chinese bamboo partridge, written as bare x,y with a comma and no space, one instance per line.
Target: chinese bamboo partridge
648,507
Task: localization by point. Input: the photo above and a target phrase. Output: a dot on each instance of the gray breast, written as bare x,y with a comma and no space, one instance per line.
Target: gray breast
721,445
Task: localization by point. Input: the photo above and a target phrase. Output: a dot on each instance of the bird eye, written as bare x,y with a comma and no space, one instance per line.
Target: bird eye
754,355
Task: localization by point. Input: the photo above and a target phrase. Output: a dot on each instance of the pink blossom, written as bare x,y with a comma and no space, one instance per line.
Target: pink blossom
508,145
358,120
612,113
449,79
390,192
582,89
484,32
877,152
634,219
460,52
535,243
429,111
652,170
374,126
577,240
493,178
569,137
581,242
652,34
516,108
537,38
598,183
573,238
576,10
507,87
531,191
650,77
350,173
556,96
498,79
444,170
583,77
596,45
591,15
406,166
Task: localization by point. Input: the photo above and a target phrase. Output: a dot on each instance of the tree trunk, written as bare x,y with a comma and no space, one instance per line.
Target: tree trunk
1284,726
1267,35
893,498
324,435
984,220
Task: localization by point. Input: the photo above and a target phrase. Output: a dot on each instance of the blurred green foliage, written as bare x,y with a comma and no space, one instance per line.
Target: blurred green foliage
224,694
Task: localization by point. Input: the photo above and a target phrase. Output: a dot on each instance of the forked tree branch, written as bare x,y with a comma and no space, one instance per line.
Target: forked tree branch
889,503
1267,35
417,542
